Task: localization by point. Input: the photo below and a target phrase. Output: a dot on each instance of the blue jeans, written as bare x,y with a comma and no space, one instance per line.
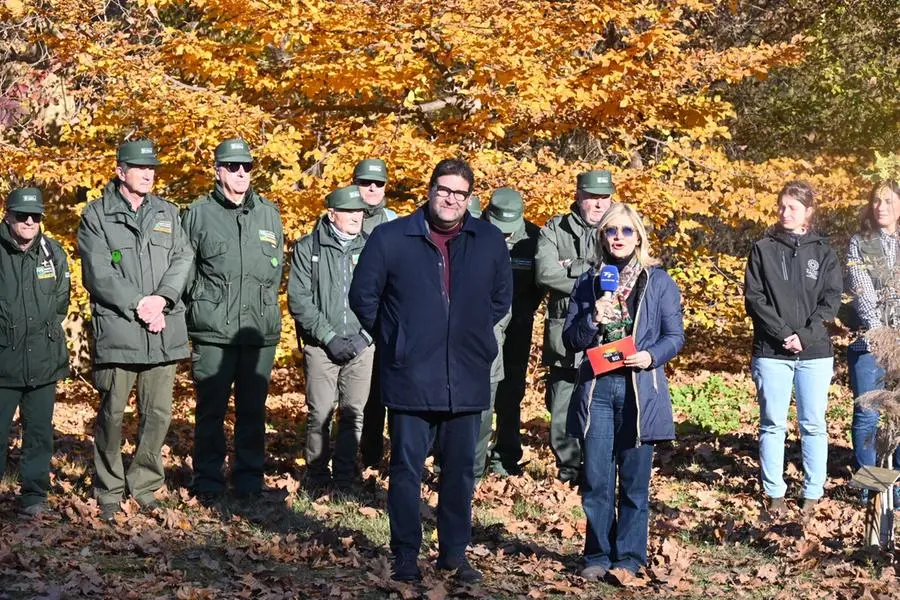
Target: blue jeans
865,376
615,539
775,378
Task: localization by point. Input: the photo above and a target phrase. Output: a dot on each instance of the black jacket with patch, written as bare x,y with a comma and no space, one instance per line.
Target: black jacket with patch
792,285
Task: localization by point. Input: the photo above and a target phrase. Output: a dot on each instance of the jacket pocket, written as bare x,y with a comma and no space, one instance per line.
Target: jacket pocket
269,314
398,344
162,240
205,307
270,270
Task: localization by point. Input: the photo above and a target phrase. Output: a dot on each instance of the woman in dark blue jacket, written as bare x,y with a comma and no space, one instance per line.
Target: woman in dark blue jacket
619,414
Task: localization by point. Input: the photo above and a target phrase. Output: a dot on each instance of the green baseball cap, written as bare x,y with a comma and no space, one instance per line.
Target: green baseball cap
233,150
506,210
597,182
370,168
26,200
140,152
346,198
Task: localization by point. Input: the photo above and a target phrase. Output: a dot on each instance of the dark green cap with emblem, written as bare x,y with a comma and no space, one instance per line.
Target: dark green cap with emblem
346,198
26,200
234,150
597,182
140,152
371,168
506,210
474,207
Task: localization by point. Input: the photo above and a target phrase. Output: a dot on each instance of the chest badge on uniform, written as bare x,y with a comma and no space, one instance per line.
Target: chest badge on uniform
116,256
45,270
268,237
163,227
274,262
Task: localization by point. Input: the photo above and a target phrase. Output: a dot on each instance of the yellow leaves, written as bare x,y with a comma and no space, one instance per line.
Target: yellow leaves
16,7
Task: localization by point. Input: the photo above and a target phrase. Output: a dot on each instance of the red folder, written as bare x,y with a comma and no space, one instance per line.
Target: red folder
611,356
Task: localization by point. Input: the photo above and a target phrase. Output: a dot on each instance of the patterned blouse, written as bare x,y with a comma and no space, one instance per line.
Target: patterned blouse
865,296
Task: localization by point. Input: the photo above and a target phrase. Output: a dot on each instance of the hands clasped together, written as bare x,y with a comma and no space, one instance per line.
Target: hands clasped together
150,312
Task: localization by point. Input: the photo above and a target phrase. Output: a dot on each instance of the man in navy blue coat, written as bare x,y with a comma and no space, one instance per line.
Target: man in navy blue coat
429,288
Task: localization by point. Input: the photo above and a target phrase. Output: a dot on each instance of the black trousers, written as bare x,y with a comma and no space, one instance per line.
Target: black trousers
412,435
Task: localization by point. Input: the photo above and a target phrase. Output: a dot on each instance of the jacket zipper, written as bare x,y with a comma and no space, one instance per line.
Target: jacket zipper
637,399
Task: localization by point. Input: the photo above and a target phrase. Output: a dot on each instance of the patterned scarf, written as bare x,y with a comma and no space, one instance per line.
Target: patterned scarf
621,320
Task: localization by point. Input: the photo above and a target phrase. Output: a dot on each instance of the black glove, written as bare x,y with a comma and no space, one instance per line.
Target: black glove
359,343
340,349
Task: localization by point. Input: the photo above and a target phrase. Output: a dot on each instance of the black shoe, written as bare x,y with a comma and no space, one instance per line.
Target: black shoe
405,568
209,499
465,573
109,510
570,476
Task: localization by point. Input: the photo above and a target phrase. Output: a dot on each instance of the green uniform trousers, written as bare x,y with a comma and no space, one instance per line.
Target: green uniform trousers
371,441
484,435
329,385
218,368
567,450
35,406
145,475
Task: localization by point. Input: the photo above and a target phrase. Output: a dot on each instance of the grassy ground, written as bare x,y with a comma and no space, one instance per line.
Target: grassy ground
706,535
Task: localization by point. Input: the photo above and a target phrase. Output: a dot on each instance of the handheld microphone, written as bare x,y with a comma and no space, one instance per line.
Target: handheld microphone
609,280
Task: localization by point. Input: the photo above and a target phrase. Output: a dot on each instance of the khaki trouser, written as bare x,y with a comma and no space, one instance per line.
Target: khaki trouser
329,385
154,399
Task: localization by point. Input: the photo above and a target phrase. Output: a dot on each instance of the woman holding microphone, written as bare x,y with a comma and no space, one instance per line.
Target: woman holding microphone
618,414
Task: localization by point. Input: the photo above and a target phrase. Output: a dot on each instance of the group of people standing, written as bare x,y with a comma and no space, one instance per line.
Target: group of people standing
792,289
428,316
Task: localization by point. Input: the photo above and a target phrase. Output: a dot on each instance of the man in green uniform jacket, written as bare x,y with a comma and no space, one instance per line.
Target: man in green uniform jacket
370,175
233,320
506,211
566,248
135,260
34,300
337,352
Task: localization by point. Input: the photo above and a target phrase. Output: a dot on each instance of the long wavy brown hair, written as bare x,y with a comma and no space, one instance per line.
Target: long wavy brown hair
868,226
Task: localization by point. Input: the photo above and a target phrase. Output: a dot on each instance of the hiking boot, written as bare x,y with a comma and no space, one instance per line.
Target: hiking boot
808,508
464,572
148,505
405,568
593,572
775,509
34,511
109,510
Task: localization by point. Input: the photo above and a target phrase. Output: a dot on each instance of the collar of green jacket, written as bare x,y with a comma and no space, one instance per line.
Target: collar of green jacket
114,202
250,198
374,211
6,238
576,216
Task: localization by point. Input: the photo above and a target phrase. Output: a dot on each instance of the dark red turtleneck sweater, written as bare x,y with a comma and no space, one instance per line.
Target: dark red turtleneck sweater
441,239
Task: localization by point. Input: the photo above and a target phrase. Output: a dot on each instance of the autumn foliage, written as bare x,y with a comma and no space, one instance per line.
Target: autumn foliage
530,92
